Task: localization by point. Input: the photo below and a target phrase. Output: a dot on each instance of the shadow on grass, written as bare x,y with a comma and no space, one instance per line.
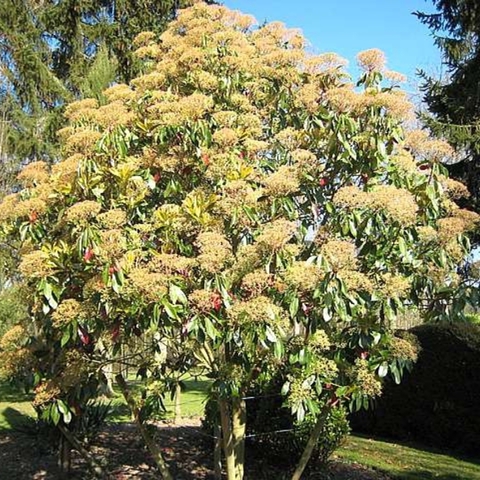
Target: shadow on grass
17,420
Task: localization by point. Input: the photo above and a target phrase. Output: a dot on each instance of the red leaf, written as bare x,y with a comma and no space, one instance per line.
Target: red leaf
88,254
216,302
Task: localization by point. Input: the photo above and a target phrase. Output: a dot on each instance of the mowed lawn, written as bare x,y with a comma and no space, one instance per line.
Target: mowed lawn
15,407
405,462
401,462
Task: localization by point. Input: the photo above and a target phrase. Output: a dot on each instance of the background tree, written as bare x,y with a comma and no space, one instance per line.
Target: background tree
239,200
55,51
454,101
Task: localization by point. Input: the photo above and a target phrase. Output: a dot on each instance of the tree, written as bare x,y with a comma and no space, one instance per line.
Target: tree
241,202
454,102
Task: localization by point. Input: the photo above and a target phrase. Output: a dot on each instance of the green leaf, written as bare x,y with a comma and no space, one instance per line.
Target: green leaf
210,330
52,302
47,290
115,285
171,310
278,349
55,414
294,305
382,369
177,295
300,412
65,337
396,373
271,337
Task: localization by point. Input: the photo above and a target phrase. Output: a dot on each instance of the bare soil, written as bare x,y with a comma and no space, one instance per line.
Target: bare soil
119,447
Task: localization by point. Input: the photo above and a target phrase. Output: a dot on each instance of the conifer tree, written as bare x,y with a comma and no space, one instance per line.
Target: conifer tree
454,104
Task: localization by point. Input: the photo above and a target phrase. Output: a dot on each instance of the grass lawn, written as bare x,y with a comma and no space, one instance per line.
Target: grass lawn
404,462
192,401
401,462
15,407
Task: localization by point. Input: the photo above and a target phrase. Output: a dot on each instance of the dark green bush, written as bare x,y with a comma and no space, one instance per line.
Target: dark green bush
272,430
290,445
437,403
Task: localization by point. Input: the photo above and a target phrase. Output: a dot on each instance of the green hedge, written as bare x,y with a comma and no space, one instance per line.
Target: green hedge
438,402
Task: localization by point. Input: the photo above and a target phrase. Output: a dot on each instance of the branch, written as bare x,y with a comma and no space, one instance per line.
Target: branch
96,467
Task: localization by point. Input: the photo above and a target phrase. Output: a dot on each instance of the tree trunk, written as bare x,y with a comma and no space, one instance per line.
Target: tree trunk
107,389
149,442
312,441
64,457
178,408
239,422
227,439
69,441
217,452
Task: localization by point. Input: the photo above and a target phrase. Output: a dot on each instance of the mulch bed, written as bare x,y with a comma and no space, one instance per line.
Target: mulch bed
23,456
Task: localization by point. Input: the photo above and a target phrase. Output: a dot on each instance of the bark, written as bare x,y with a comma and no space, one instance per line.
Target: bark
312,441
227,439
217,452
108,387
149,442
64,457
239,421
178,408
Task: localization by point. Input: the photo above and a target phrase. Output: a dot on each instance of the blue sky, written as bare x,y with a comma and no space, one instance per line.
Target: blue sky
349,26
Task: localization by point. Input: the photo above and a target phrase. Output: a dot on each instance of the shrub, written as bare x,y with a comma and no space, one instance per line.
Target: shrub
437,403
289,446
273,430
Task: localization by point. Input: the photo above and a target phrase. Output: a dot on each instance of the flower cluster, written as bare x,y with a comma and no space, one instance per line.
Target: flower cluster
355,281
303,276
319,341
276,235
394,286
15,357
45,393
340,254
215,251
149,285
405,347
68,312
256,310
36,265
34,174
366,380
256,282
82,212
